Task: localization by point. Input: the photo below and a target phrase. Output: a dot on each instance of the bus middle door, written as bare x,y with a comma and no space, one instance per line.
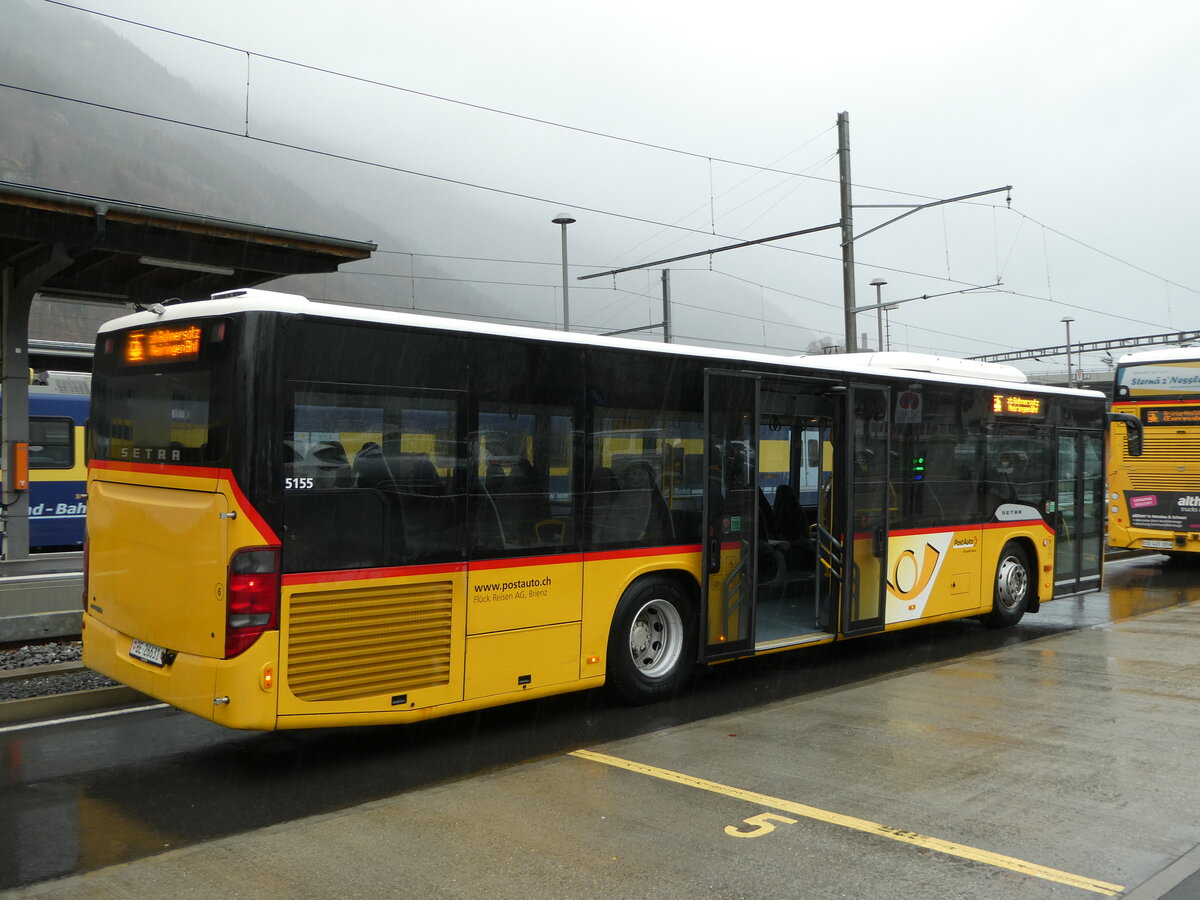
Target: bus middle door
867,498
730,513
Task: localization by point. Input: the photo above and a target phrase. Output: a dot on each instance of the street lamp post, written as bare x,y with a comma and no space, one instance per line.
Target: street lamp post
878,284
1067,320
564,220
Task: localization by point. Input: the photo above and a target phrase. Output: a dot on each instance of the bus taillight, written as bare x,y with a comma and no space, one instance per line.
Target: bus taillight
253,597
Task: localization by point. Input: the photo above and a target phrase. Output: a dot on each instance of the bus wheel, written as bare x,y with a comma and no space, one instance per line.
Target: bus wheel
652,640
1014,581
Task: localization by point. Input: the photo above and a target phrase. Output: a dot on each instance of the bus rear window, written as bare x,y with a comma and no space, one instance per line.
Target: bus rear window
160,394
167,417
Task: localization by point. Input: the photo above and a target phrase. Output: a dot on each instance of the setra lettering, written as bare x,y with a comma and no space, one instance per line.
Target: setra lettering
151,454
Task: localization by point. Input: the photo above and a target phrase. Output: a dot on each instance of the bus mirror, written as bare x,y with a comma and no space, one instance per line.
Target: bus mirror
1134,432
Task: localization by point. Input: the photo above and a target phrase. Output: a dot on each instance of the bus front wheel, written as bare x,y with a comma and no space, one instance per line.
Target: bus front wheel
1014,582
652,640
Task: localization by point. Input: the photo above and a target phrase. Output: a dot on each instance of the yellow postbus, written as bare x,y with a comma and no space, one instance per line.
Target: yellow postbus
1154,481
304,514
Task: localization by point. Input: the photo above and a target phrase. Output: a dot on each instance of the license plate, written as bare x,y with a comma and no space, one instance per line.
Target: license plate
1157,545
150,653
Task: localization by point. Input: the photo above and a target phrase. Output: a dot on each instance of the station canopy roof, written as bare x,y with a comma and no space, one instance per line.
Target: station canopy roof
96,249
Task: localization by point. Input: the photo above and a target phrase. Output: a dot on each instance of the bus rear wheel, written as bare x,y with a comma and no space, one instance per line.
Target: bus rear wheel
1013,584
652,640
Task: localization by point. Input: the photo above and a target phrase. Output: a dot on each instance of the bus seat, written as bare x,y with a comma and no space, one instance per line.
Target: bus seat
766,516
792,526
415,473
370,467
422,511
790,521
602,491
487,530
635,512
329,463
521,504
660,526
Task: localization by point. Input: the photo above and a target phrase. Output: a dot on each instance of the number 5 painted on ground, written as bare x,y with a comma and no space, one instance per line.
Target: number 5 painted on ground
762,823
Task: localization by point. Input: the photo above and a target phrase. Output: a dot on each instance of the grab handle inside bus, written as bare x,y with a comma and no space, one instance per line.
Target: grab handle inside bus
1134,432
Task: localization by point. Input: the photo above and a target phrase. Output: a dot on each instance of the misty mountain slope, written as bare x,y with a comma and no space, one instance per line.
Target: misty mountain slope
63,145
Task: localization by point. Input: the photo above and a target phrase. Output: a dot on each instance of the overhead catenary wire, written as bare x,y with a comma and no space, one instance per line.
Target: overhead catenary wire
544,122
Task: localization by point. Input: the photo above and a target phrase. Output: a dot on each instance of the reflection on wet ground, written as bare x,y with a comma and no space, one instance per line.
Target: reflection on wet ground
89,794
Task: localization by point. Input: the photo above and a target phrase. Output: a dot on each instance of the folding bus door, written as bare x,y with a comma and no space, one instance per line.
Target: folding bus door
869,498
1079,512
730,513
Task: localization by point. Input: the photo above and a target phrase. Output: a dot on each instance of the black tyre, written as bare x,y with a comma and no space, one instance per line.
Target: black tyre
1012,587
652,643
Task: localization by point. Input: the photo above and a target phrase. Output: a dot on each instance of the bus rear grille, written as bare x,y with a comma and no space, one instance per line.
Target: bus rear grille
1165,481
351,643
1164,448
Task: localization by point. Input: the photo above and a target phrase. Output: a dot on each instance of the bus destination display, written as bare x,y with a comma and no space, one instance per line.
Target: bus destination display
1015,405
1186,415
162,345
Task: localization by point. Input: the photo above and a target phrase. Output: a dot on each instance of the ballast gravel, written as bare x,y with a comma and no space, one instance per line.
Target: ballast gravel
32,656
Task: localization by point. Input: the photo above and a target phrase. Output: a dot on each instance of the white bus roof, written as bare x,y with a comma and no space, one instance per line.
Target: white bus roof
927,363
1174,354
895,364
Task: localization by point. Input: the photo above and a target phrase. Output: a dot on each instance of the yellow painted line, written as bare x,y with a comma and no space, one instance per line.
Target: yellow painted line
896,834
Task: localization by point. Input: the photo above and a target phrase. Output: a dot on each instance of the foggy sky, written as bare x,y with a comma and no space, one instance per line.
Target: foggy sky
1087,109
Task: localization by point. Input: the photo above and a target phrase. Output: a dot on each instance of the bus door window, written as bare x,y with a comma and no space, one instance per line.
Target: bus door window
1080,508
871,502
870,461
1066,564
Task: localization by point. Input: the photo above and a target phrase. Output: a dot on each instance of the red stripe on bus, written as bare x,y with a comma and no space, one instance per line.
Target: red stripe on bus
158,469
952,529
365,574
1019,522
518,561
637,552
254,515
906,532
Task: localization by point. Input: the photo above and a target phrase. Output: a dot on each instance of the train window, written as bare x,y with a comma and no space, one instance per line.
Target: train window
51,442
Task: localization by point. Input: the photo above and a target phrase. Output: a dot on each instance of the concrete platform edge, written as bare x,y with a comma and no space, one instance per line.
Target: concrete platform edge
53,705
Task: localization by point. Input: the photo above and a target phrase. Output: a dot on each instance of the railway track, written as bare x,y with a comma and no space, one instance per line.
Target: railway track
32,689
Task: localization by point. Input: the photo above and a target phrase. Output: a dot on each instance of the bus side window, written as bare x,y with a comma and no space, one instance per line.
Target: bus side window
369,477
522,477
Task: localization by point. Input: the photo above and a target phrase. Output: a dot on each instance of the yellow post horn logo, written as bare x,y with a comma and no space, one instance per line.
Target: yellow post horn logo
909,579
